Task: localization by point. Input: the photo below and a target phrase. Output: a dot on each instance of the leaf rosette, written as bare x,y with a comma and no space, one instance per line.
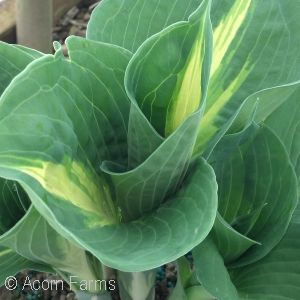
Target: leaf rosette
72,144
161,133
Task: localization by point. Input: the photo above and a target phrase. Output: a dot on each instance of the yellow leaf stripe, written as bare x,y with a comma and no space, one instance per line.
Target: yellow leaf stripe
187,96
4,252
74,183
208,127
227,30
218,96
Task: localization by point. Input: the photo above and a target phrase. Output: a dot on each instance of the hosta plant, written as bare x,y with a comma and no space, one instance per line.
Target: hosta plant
173,127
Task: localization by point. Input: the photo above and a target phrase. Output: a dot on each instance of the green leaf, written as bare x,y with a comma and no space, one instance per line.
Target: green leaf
25,232
275,107
226,158
172,230
289,113
128,23
43,247
276,276
14,204
212,272
13,59
183,275
255,47
262,104
257,190
187,286
61,136
197,292
106,64
12,263
44,134
35,54
35,240
83,295
145,188
54,135
231,243
296,215
266,278
143,139
13,199
168,88
178,82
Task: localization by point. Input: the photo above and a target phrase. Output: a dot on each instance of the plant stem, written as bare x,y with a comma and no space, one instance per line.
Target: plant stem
137,285
80,295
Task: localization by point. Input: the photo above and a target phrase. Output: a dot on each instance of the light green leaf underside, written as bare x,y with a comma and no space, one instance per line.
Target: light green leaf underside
250,54
257,189
128,23
169,88
11,263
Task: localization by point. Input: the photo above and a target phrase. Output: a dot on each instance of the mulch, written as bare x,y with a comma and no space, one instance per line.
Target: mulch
74,22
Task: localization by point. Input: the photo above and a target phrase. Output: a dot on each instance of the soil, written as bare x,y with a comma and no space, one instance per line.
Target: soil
74,22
